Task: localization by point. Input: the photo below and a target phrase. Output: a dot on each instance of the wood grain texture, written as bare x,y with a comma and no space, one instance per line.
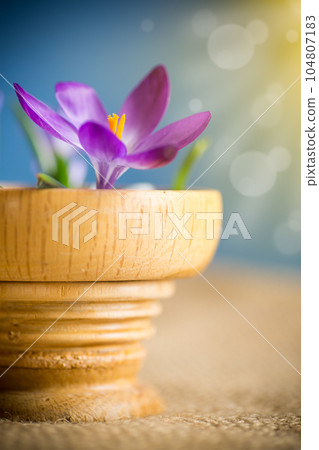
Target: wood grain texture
28,252
84,367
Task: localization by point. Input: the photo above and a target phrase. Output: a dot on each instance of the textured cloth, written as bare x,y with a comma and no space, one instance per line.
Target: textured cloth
223,385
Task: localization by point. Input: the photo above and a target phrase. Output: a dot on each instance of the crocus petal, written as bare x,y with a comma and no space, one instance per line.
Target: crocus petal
103,148
80,103
100,143
150,159
107,173
46,118
114,173
145,106
177,134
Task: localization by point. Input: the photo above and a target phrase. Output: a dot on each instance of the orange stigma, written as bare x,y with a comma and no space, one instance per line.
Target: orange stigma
115,125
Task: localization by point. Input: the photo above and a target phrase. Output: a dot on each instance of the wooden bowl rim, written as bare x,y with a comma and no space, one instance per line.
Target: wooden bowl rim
146,257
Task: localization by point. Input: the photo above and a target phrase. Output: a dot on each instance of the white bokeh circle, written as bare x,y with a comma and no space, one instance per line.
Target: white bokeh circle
253,174
259,31
286,240
203,22
147,25
292,36
230,46
280,157
294,220
195,105
274,91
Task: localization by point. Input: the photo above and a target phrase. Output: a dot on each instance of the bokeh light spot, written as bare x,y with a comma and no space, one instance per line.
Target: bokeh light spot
259,31
195,105
147,25
292,36
252,174
294,220
286,240
230,46
274,90
280,157
203,23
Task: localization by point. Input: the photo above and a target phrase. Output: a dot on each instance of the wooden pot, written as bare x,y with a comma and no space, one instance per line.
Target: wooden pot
81,273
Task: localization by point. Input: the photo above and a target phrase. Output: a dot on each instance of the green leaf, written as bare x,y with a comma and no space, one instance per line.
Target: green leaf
47,182
183,173
61,173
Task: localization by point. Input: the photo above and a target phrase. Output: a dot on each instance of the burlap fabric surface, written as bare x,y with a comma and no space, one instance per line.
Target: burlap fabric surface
224,386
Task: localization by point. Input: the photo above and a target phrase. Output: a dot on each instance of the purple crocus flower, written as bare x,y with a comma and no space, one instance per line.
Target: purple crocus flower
119,142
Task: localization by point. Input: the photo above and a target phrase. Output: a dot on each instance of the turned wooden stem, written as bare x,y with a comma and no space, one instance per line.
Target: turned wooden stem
92,354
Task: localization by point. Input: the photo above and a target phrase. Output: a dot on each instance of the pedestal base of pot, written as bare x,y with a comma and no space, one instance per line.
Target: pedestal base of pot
88,406
84,351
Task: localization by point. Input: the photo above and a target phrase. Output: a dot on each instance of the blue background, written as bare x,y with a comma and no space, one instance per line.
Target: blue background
105,44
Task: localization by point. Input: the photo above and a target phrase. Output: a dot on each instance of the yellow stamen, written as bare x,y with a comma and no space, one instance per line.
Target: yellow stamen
115,125
113,122
120,127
